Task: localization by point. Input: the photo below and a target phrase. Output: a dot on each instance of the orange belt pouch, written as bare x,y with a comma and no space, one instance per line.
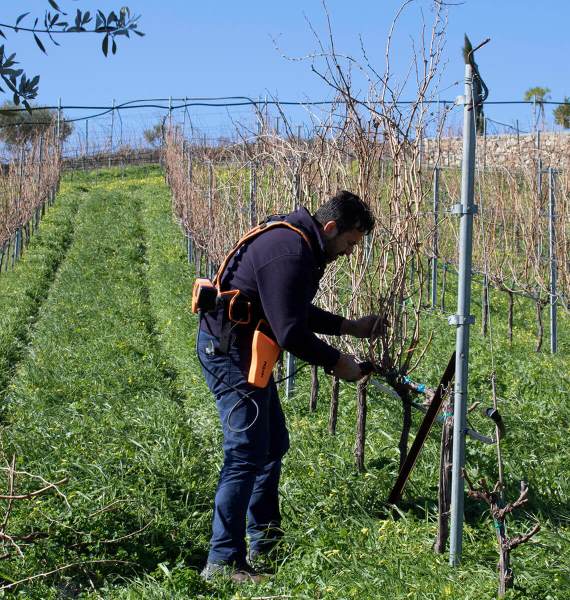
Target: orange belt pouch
264,354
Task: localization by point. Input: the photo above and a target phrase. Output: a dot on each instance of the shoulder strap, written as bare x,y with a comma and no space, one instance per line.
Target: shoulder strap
250,235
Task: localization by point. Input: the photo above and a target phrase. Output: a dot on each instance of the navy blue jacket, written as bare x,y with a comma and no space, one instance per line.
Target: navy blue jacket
280,274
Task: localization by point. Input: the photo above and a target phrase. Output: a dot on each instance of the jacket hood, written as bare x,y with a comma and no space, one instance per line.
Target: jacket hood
303,219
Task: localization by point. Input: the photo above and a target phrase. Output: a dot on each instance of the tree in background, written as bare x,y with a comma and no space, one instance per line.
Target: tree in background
20,127
54,23
562,114
154,135
538,95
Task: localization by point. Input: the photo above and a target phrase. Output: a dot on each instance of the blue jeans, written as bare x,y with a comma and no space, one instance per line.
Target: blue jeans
254,444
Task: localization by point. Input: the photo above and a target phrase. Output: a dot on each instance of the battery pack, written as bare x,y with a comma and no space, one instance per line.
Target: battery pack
204,295
264,354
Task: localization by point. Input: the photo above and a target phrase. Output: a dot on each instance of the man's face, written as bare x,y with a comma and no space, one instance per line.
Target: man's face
340,244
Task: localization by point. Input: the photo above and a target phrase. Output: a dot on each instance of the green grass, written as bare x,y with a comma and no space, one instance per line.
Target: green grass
23,289
108,393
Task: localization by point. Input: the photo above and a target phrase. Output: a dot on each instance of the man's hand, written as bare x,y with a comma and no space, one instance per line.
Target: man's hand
365,327
347,368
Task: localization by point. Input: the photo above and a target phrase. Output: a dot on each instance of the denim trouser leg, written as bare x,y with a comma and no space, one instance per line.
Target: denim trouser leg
263,515
254,443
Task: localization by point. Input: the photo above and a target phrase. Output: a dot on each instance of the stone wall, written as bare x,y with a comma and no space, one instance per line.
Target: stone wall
503,151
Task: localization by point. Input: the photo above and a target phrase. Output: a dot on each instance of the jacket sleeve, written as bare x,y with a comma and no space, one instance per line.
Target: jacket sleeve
286,301
323,321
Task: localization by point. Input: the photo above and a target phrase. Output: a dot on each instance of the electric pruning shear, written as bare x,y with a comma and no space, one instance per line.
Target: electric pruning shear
431,416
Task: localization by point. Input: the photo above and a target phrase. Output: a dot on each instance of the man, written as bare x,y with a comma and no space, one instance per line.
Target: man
278,273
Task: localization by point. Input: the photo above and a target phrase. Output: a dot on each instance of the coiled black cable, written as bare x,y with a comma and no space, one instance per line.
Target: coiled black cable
243,396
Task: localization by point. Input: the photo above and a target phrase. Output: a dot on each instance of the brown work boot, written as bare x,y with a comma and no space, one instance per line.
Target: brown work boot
263,562
235,573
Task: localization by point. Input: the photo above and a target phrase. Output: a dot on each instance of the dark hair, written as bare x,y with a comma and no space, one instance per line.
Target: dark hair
348,211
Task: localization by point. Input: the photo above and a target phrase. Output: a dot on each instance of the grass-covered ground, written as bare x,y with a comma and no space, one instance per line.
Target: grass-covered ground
101,387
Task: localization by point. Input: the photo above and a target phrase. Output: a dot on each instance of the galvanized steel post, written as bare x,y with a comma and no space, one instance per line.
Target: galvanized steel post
15,254
40,158
58,123
253,195
539,188
190,248
552,254
290,365
86,137
20,177
290,374
463,319
112,127
484,142
290,368
209,264
435,248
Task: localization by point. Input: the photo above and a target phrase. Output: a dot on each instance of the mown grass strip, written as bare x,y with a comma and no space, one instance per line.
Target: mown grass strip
91,403
23,289
170,280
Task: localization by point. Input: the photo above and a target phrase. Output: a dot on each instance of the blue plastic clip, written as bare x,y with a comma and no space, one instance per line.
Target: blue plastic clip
420,387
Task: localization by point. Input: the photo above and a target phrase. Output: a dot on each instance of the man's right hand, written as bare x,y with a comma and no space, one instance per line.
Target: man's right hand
347,368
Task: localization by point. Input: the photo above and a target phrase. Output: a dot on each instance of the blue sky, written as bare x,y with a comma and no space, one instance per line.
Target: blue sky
229,48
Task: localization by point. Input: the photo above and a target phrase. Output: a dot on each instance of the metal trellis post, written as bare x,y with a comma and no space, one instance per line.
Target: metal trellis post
86,137
16,246
297,190
435,237
290,374
552,253
539,187
40,159
112,128
58,123
463,319
484,142
253,195
20,177
120,128
209,265
290,370
189,252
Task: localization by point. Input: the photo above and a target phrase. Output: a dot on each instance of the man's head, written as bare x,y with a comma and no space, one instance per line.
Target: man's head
345,218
